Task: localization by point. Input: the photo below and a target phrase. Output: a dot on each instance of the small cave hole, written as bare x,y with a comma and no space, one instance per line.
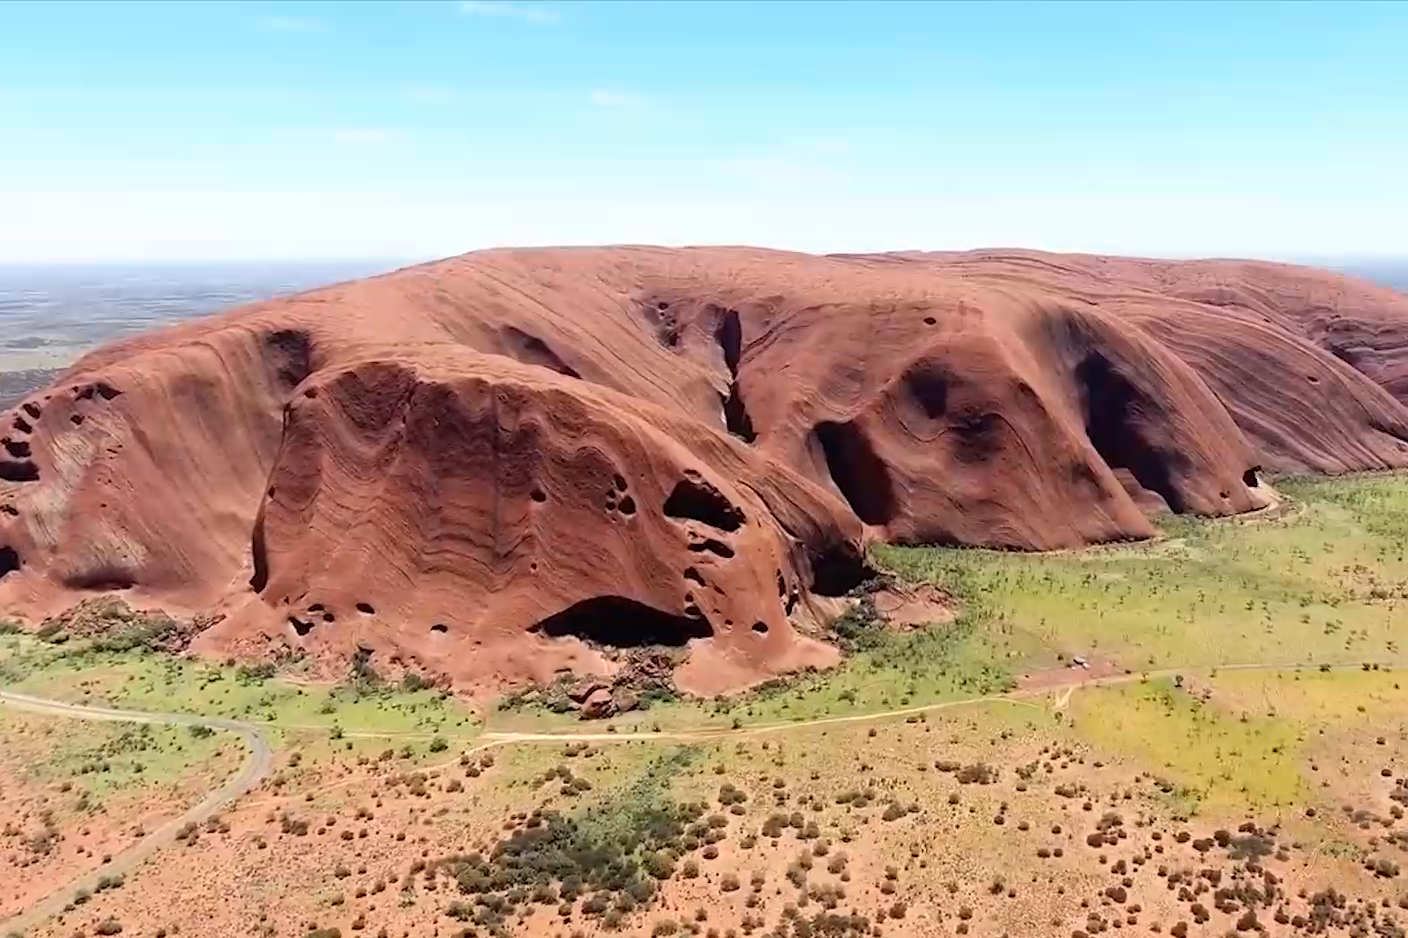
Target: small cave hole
33,410
21,471
76,420
329,617
623,623
532,350
712,546
760,627
1313,379
18,449
9,561
627,506
366,609
539,496
619,481
694,499
23,426
310,393
316,607
662,306
1249,478
10,510
439,628
301,627
930,321
693,575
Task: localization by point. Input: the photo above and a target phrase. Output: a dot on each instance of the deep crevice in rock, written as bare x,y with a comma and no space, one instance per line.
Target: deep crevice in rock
259,556
697,500
729,335
622,623
860,475
1114,415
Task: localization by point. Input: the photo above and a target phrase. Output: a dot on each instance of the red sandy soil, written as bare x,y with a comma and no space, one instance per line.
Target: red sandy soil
485,466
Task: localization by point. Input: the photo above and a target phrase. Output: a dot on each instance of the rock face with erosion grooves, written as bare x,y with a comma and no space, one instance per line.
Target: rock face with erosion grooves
507,465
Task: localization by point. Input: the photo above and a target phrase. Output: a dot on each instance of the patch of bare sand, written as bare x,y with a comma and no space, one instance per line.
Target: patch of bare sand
907,607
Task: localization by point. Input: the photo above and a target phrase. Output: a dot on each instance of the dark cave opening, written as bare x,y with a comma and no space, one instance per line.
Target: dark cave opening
838,568
1114,409
260,557
861,476
697,500
23,470
622,623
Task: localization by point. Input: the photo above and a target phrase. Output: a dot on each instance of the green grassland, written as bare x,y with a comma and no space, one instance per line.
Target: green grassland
1324,582
95,761
139,679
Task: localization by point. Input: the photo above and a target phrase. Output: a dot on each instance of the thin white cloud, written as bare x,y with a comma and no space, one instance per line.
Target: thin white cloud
290,24
601,97
506,9
362,136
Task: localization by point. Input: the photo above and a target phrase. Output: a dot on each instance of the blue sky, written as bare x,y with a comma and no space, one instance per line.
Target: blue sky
170,132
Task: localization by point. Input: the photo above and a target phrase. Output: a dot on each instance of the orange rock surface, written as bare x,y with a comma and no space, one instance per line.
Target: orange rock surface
495,466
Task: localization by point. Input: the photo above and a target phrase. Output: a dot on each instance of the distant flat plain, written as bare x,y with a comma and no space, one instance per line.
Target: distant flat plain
52,314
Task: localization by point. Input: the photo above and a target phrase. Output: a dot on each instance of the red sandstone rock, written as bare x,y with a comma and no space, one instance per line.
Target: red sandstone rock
490,466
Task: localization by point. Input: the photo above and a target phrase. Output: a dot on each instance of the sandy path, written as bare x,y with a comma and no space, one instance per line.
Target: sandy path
259,762
257,765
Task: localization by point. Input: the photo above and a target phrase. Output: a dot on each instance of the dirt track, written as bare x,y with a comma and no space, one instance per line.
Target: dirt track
257,765
261,756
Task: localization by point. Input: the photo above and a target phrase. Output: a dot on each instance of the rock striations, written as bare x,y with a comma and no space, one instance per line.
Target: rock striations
502,466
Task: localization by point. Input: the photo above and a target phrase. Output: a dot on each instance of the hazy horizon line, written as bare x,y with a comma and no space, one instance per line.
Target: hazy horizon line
367,260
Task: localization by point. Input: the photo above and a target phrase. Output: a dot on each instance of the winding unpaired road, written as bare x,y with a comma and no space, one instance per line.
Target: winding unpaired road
259,760
257,764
